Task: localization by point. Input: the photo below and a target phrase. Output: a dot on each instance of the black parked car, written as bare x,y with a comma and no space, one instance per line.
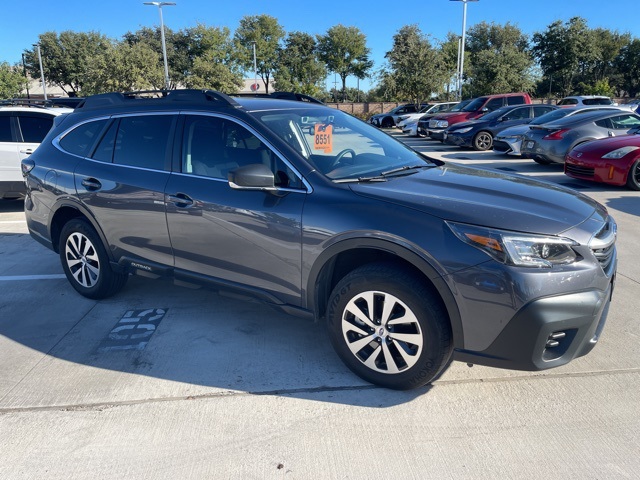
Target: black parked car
410,262
479,134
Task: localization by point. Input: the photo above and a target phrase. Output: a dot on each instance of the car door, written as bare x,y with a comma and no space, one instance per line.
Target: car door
122,183
245,238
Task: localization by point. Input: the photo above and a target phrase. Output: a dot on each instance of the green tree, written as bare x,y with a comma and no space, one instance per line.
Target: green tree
177,61
415,65
449,61
499,59
344,51
125,67
560,50
12,82
298,68
211,60
67,58
628,66
267,34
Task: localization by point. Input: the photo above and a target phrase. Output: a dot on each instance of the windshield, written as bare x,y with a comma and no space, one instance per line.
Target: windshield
338,145
459,106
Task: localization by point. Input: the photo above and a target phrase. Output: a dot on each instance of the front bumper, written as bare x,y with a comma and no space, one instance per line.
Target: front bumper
508,145
547,332
436,134
459,140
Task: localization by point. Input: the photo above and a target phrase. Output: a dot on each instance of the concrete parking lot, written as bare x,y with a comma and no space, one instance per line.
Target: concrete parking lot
164,381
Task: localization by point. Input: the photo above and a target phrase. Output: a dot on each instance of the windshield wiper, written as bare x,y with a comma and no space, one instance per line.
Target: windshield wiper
395,172
404,169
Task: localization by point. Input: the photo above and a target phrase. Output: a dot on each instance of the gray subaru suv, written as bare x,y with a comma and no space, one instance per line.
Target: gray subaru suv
409,261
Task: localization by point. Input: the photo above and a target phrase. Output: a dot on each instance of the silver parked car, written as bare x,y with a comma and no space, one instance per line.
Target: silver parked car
509,140
550,142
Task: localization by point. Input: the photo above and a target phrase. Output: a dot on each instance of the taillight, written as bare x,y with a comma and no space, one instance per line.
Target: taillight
27,165
557,135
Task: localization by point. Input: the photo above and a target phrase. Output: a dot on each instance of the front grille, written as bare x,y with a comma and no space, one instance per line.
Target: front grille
579,171
603,244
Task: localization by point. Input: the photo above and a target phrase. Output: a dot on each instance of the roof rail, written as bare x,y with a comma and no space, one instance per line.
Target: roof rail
40,102
185,95
299,97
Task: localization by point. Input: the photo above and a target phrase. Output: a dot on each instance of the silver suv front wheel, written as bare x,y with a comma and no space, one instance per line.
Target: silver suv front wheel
389,327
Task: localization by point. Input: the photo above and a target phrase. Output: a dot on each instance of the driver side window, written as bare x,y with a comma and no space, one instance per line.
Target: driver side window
214,146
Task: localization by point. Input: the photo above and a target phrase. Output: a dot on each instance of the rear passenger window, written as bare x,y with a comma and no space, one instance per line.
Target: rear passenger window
5,129
80,140
516,100
34,129
494,104
142,141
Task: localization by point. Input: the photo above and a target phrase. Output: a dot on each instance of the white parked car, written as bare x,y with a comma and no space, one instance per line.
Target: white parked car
409,123
22,128
586,101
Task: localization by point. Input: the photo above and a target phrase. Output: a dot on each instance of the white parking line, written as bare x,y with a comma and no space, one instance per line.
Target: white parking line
13,278
12,221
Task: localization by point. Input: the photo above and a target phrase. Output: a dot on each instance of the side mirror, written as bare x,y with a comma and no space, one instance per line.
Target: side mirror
256,176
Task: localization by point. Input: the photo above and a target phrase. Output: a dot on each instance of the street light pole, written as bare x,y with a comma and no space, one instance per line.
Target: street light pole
462,43
164,45
44,87
255,68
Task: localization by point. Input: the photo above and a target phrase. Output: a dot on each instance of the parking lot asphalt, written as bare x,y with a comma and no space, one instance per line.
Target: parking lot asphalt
164,381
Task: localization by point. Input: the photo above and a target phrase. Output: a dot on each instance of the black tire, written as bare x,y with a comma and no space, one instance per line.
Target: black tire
400,354
387,122
483,141
86,263
633,177
542,161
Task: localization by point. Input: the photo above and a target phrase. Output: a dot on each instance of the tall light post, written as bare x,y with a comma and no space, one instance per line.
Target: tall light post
462,43
164,45
255,87
44,87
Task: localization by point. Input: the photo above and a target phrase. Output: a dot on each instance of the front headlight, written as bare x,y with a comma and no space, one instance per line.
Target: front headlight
442,124
462,130
620,152
524,250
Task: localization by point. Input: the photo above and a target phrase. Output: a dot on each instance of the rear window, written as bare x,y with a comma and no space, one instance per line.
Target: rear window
516,100
597,101
80,140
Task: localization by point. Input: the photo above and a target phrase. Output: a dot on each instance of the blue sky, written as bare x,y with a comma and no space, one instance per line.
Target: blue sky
378,20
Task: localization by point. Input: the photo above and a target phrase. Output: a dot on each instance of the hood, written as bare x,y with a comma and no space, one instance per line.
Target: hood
482,197
468,123
605,145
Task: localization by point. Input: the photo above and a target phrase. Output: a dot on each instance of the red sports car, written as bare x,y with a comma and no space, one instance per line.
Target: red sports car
613,160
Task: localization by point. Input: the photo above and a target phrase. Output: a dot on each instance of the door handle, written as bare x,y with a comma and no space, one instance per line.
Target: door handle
28,151
91,184
180,200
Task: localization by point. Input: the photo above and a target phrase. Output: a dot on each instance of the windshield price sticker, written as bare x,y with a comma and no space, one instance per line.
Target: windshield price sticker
323,137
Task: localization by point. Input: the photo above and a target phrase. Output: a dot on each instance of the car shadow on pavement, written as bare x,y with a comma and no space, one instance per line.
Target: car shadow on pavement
628,204
205,345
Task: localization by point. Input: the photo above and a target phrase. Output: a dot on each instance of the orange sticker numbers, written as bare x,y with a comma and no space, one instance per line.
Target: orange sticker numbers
323,137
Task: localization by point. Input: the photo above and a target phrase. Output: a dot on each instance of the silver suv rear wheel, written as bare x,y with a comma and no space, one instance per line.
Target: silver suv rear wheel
86,263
